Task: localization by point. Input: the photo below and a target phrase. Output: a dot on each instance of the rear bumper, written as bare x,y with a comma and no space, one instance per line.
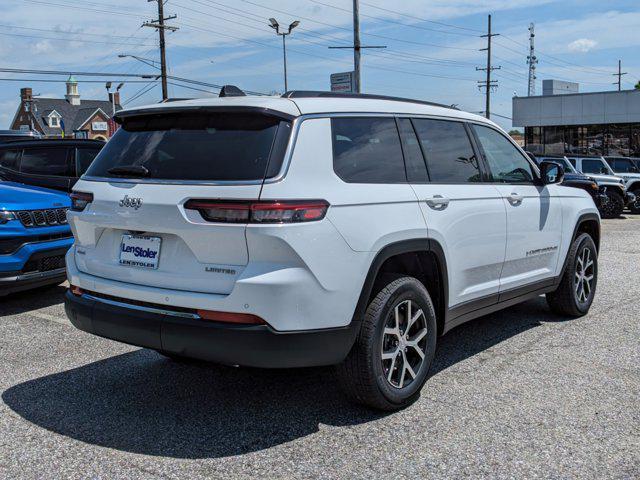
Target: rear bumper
250,345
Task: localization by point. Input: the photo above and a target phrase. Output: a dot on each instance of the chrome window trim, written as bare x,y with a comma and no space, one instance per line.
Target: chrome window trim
141,308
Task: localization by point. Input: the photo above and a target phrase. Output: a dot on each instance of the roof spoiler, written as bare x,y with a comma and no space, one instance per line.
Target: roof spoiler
231,91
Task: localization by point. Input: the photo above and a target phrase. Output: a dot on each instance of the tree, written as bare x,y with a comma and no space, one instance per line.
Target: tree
637,87
515,132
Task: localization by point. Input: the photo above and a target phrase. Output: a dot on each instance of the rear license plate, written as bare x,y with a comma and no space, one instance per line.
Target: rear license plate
140,251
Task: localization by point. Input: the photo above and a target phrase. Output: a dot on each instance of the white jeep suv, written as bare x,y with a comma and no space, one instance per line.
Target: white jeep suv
319,229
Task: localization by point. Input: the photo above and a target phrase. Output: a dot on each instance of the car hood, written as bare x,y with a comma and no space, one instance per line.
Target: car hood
16,196
607,178
629,176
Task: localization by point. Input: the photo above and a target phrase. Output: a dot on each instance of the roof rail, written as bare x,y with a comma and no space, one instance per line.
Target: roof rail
324,94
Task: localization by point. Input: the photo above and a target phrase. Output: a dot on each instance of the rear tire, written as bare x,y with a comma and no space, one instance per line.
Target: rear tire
391,357
635,206
615,205
577,288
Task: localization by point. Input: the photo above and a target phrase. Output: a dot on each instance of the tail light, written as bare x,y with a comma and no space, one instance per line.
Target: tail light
288,211
80,200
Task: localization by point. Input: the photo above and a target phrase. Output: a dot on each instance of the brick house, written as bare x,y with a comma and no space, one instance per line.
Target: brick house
80,118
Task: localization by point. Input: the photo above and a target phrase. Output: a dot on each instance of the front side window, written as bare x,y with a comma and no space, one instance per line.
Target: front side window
446,146
505,161
593,166
623,165
194,146
46,161
9,159
367,150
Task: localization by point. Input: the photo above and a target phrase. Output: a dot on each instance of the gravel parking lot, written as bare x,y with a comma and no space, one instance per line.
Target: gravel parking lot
517,394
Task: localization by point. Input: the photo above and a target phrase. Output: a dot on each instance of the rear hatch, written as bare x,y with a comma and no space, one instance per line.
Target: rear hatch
136,228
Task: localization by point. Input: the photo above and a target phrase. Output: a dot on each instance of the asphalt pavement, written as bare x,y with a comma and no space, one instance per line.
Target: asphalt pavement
521,393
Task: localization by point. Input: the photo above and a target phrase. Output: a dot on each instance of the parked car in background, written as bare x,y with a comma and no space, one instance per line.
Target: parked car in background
629,169
615,186
9,135
53,164
317,229
573,178
34,236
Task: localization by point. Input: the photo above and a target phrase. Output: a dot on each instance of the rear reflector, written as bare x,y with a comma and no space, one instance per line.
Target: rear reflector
241,318
76,290
296,211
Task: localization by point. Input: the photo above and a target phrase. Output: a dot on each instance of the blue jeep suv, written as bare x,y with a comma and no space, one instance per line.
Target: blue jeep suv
34,237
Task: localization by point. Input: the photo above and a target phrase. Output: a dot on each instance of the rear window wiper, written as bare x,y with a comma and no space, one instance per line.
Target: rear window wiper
129,171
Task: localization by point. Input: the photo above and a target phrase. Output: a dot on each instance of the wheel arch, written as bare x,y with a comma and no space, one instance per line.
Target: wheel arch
422,258
586,223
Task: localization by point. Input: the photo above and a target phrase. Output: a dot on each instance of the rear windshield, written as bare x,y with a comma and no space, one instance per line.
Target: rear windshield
196,146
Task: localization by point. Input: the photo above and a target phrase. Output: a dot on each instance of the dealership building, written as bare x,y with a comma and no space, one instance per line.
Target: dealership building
564,121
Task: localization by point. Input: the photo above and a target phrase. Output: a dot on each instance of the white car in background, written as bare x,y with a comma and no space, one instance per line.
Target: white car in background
629,170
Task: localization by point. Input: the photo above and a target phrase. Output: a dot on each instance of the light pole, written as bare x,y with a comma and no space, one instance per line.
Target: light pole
276,26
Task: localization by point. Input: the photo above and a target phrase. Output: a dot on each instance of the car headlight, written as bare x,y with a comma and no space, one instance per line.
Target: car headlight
5,216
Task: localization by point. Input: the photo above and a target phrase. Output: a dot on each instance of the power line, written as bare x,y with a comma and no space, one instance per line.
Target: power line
68,39
49,80
419,27
422,19
347,29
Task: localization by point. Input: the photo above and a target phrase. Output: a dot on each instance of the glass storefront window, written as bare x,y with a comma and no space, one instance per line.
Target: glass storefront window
553,140
614,140
618,140
533,140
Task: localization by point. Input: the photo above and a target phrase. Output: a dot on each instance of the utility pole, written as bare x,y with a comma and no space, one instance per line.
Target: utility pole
532,60
619,75
357,47
488,84
161,27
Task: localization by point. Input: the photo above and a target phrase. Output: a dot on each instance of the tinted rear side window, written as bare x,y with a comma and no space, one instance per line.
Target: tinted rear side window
46,161
9,158
367,150
84,157
195,146
447,148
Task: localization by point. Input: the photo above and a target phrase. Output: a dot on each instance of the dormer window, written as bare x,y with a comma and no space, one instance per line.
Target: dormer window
53,120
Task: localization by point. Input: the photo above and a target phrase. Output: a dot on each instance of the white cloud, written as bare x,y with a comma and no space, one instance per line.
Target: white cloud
582,45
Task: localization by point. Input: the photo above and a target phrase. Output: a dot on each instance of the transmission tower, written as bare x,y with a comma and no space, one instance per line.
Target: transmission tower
531,61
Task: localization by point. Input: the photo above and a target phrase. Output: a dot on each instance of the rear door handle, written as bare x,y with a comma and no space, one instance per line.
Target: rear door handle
437,202
515,198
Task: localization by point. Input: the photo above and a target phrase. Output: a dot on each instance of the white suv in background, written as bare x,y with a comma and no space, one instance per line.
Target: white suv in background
319,229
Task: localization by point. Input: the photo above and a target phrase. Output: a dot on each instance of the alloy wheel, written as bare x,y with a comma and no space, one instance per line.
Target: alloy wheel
583,281
404,344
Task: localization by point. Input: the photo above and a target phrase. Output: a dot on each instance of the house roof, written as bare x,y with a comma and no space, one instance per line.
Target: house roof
73,116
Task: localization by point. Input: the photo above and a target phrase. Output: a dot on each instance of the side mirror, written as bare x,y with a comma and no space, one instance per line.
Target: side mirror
604,171
551,172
